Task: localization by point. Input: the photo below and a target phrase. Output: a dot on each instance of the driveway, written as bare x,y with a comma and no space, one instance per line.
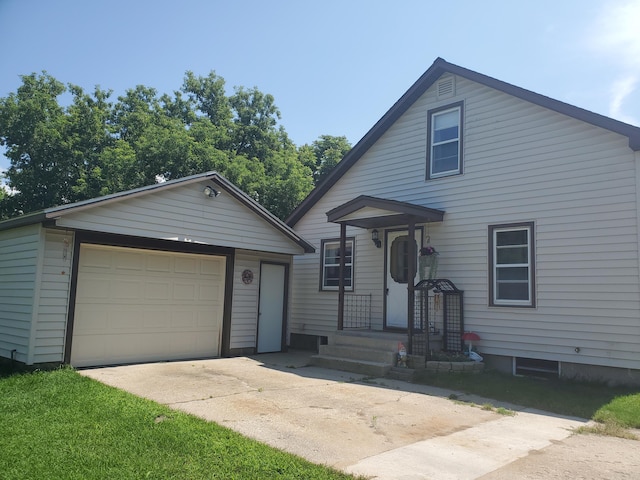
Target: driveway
380,428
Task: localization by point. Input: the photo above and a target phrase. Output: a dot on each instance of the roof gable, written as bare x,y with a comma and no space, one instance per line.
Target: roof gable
63,212
370,212
435,71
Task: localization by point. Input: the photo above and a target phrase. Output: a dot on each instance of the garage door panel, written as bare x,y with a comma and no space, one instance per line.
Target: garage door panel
186,265
165,308
184,291
93,288
157,291
211,267
210,291
126,290
158,263
94,321
129,261
101,260
184,320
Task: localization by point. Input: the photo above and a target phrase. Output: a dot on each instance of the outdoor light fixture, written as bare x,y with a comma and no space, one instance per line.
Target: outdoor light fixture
210,192
375,238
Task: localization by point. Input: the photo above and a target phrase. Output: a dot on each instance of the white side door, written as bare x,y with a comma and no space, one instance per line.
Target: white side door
271,313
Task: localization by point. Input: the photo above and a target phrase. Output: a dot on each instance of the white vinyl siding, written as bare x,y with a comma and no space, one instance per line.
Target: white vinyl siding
19,258
577,182
184,214
53,298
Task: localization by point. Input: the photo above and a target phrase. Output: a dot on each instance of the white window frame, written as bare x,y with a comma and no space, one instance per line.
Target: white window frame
457,107
335,243
494,231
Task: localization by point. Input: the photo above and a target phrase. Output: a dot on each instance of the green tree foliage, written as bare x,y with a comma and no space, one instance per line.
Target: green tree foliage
327,151
95,146
32,128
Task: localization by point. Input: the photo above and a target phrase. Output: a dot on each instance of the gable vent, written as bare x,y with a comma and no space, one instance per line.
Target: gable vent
446,87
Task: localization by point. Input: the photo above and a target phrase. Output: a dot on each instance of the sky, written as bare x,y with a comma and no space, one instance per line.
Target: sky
334,67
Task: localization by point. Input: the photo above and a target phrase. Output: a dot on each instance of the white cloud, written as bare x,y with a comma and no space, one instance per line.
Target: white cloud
616,36
621,90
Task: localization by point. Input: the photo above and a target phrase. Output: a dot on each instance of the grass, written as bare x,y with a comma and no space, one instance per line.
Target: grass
614,408
60,424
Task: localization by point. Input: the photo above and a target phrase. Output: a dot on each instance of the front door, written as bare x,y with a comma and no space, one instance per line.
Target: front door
272,307
397,267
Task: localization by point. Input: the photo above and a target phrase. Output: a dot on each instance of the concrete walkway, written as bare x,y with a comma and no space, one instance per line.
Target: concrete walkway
379,428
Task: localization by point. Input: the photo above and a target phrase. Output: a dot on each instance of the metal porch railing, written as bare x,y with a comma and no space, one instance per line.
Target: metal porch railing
357,311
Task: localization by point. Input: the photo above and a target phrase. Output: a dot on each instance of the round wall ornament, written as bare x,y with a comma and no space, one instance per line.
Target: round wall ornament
247,276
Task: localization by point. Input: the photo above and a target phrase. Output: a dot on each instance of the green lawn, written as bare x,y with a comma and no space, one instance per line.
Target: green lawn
620,405
60,425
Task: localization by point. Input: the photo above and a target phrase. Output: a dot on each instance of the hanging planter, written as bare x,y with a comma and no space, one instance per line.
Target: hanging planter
428,262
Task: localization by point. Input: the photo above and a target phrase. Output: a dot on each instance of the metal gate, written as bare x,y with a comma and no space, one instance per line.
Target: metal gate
438,323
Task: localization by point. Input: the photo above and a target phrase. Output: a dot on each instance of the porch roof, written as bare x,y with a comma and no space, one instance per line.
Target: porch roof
372,212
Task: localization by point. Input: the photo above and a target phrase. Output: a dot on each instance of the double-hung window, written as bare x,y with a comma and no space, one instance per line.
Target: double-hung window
512,265
444,150
330,264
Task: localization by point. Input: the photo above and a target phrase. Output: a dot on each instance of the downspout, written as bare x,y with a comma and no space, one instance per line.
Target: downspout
411,274
341,269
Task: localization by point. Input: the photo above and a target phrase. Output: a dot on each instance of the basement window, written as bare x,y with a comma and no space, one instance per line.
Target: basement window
533,367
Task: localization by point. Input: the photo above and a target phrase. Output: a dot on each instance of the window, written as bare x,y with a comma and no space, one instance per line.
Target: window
330,263
399,261
511,265
444,150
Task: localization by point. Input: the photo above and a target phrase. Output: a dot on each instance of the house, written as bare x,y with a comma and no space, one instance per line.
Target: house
531,204
183,269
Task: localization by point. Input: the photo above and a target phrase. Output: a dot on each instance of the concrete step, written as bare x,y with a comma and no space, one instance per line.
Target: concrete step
362,367
370,340
358,353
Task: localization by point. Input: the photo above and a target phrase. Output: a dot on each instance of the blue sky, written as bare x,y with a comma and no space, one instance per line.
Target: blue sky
333,66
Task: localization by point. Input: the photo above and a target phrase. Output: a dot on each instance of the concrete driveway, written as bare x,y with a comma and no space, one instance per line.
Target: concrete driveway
379,428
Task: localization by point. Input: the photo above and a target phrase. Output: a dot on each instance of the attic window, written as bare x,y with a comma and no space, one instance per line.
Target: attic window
446,87
444,138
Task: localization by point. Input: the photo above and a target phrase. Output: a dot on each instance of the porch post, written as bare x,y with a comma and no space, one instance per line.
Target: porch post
411,271
343,251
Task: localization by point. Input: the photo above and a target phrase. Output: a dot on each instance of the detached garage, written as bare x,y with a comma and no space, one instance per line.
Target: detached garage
190,268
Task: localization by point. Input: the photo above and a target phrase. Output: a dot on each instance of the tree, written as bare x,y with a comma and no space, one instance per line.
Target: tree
32,128
208,95
254,132
87,135
96,146
328,151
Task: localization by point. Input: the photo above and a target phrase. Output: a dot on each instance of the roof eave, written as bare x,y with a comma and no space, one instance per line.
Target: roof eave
23,220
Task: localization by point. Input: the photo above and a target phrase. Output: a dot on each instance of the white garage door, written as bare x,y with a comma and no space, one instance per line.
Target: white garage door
136,305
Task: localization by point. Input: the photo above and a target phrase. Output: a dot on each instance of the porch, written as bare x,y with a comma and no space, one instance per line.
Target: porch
437,325
406,318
